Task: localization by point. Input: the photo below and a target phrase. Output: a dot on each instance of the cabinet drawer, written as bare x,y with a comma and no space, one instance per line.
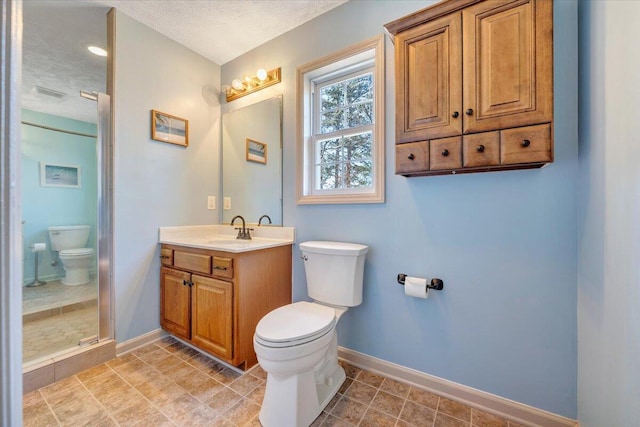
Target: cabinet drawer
531,144
445,153
482,149
412,157
192,262
166,256
223,267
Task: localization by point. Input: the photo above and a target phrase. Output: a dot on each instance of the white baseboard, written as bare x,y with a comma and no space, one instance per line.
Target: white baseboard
139,341
509,409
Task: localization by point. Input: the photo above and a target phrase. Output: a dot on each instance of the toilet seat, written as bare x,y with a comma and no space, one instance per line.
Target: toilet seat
76,252
295,324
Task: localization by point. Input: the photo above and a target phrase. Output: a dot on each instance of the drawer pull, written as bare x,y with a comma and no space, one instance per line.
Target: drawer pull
480,148
455,114
164,257
525,143
215,267
469,112
445,152
411,156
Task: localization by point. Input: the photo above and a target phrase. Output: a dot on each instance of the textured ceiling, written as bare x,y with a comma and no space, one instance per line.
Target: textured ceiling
222,30
56,33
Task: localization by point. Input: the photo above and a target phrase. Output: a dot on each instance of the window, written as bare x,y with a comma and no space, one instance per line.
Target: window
341,126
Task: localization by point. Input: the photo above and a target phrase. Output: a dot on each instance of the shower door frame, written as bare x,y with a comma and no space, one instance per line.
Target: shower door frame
106,317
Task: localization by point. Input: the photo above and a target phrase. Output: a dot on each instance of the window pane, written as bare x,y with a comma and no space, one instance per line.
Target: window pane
329,150
360,89
332,97
358,174
329,176
357,147
332,121
360,115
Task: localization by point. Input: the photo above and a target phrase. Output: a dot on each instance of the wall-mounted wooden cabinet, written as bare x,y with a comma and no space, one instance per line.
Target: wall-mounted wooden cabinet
474,85
214,299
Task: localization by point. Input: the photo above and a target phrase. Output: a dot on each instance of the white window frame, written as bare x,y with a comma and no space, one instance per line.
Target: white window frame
367,54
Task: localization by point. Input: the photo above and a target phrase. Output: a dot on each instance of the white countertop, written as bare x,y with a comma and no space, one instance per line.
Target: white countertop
223,237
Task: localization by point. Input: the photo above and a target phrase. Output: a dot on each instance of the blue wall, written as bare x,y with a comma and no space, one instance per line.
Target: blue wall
157,184
503,242
43,207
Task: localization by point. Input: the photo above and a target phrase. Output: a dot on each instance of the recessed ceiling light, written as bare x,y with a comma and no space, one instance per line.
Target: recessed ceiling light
97,50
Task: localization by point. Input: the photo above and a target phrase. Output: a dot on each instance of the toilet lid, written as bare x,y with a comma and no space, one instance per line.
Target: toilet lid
76,252
296,323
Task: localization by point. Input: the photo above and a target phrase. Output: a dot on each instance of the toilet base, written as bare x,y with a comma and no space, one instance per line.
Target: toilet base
311,398
76,277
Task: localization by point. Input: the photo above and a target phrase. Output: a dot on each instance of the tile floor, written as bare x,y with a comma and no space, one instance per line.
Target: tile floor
56,317
169,384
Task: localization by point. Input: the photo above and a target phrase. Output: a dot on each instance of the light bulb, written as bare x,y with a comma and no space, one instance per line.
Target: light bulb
226,89
262,74
237,84
97,50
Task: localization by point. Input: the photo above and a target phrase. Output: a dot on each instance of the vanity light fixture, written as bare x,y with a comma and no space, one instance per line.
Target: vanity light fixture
248,84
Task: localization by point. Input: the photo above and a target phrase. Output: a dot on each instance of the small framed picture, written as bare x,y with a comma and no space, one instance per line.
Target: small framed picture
168,128
256,151
68,176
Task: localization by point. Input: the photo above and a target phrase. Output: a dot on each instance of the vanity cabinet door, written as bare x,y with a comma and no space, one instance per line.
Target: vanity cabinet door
428,80
507,64
212,315
175,301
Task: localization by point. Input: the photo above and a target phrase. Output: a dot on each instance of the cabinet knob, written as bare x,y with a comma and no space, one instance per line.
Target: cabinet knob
411,156
445,152
469,112
525,143
455,114
480,148
185,282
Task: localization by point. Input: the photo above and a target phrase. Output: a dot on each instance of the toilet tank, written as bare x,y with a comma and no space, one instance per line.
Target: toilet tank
334,271
69,236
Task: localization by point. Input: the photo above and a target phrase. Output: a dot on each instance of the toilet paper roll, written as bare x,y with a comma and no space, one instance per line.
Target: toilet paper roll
38,247
416,287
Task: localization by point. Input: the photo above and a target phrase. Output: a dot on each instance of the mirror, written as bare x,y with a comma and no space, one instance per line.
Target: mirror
252,162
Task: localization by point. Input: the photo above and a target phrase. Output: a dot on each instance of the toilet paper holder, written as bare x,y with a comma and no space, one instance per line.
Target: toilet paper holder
436,284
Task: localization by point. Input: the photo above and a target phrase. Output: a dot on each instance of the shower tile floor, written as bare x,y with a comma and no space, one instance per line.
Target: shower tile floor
169,384
56,317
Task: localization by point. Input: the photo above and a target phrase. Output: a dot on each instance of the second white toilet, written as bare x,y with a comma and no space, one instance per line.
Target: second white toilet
297,344
70,241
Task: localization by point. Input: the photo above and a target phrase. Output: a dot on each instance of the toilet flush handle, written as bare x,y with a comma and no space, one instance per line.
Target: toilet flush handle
303,257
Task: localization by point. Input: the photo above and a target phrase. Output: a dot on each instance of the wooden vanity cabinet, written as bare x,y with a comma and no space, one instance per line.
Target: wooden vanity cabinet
215,299
465,67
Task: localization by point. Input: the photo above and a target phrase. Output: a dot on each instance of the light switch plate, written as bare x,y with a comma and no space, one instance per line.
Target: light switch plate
211,202
227,203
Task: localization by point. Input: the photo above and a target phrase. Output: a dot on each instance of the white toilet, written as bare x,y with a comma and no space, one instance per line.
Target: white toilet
297,344
70,243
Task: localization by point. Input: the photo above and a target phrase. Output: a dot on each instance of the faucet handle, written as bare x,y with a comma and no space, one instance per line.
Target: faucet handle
247,235
240,233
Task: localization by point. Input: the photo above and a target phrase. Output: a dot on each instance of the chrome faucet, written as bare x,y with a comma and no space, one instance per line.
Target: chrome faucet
243,232
261,218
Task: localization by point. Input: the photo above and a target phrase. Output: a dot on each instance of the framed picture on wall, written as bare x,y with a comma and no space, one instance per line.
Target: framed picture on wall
56,175
256,151
168,128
